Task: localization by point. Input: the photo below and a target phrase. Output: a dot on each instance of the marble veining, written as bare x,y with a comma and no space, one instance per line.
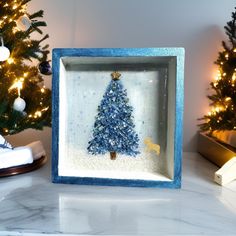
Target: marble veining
31,205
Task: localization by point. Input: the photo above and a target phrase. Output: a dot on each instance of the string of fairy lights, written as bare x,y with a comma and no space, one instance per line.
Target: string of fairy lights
19,9
225,102
23,23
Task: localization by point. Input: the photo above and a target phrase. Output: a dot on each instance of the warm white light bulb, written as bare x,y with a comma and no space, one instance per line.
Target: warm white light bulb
10,60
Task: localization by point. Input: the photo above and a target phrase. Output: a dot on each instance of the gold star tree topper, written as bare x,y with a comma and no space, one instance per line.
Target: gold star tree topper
115,75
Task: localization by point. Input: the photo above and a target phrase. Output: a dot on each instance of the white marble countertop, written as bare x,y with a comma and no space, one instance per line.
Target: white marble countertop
31,205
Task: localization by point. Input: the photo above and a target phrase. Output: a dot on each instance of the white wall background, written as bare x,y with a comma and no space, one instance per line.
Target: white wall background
195,25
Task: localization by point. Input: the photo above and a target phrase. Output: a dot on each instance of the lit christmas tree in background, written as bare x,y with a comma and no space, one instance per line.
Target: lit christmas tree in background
223,101
113,128
24,100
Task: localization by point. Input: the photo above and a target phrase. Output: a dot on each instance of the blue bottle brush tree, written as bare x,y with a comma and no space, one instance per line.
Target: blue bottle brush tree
113,129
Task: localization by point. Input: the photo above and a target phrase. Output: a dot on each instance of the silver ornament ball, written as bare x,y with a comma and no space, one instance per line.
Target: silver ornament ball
19,104
23,23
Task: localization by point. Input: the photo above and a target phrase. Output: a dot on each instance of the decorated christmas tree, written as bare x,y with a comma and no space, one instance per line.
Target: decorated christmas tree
24,100
114,128
223,100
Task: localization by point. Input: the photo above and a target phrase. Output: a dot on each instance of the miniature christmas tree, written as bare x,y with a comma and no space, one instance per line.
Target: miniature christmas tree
113,128
223,101
24,100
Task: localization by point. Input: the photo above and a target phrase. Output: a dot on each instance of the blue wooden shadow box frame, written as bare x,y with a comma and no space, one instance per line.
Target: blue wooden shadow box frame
178,54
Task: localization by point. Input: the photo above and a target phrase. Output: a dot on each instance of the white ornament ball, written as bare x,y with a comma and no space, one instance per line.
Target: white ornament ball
19,104
23,23
4,53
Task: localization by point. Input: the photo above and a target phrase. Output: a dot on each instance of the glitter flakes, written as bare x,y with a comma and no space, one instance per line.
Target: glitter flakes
114,128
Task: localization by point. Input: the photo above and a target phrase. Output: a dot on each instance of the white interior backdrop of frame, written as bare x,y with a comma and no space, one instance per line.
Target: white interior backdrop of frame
153,78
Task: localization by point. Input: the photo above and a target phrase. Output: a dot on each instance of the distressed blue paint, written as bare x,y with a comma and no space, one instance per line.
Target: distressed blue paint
116,182
120,52
55,113
179,107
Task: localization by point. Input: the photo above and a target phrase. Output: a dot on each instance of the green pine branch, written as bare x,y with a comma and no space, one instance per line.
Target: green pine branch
22,48
223,99
36,15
